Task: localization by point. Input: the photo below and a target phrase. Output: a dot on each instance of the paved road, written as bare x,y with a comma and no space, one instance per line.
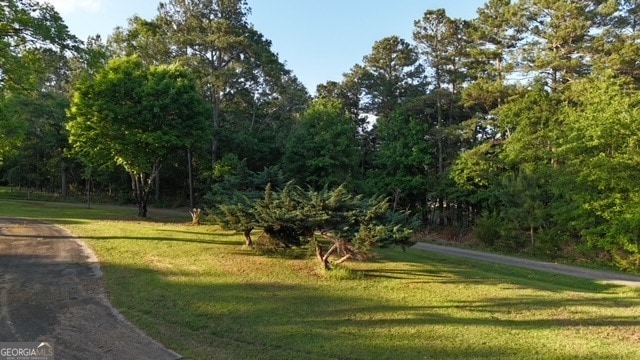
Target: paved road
598,275
51,289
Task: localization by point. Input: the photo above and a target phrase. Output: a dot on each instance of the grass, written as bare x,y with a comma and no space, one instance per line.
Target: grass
199,292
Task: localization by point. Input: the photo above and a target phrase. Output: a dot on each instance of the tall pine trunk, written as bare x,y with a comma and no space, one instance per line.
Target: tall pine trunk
192,203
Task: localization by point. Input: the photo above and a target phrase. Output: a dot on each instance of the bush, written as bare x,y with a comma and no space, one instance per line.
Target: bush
628,261
487,229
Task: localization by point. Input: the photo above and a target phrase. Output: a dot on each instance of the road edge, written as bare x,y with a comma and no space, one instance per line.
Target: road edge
94,263
609,277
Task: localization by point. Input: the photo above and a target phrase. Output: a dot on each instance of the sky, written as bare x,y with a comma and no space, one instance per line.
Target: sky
319,40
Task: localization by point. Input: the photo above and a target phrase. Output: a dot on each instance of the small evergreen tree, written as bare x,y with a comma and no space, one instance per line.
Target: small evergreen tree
236,188
294,217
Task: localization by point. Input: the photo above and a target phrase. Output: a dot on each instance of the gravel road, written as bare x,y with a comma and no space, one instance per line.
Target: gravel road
598,275
51,289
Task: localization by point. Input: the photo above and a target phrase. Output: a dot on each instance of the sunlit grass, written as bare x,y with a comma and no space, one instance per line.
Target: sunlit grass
201,293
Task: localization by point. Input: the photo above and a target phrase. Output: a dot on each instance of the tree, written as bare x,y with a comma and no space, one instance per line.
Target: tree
389,76
38,156
147,39
230,200
495,36
533,126
13,130
556,46
322,149
135,116
250,91
353,225
508,178
404,160
616,47
347,92
601,157
442,42
29,29
33,39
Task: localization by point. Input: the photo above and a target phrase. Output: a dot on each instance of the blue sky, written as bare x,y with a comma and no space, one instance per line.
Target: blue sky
319,40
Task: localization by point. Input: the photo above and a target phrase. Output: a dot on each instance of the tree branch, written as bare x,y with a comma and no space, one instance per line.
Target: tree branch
331,250
344,258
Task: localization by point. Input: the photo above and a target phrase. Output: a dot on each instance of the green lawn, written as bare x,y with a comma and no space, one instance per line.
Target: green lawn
199,292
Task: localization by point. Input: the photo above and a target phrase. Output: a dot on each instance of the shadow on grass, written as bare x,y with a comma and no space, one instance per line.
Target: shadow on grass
275,320
135,238
458,270
71,213
280,321
34,234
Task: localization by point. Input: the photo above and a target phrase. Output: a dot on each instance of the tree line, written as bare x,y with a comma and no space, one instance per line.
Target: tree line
520,124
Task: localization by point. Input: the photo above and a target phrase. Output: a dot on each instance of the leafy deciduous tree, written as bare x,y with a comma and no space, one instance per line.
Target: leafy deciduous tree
322,149
135,116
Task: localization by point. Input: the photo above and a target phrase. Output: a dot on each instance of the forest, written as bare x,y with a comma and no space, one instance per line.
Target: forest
521,126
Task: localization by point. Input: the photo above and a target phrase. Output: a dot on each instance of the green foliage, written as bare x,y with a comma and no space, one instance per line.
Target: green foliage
291,217
230,202
252,95
404,159
533,126
601,152
136,116
488,229
322,149
566,173
390,76
12,130
33,38
560,32
478,169
284,216
35,154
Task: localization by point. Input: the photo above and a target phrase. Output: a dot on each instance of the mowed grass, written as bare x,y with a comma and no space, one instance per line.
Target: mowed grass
200,293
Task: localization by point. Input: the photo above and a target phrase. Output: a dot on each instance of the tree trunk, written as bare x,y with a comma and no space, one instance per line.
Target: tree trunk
344,258
216,129
157,195
396,198
140,185
196,214
324,258
532,235
142,208
88,194
247,237
324,261
63,180
190,170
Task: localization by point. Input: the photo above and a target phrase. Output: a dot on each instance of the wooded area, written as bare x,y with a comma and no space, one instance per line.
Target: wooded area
522,124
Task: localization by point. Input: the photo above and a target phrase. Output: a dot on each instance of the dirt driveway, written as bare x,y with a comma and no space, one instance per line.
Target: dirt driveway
51,289
597,275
